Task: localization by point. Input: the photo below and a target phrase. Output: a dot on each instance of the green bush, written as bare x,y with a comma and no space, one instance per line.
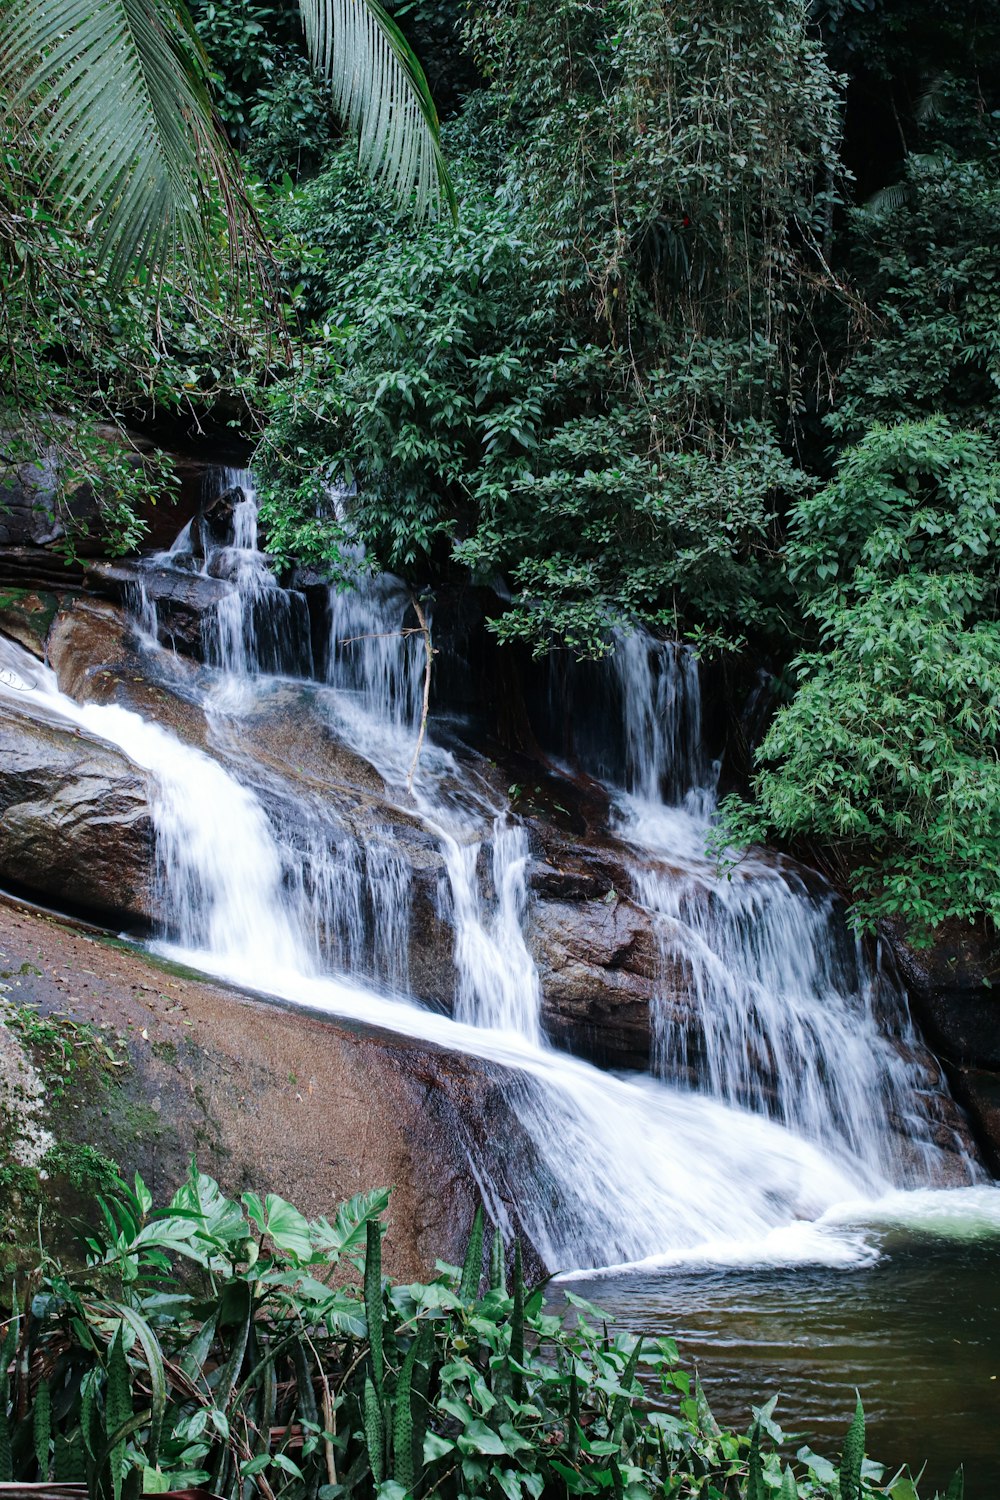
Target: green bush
887,754
221,1343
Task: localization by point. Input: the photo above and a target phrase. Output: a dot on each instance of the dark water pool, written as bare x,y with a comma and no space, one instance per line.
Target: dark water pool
918,1333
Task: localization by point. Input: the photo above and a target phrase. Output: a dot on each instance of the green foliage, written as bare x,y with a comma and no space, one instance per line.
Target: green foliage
78,359
61,1046
928,255
887,753
249,1373
483,429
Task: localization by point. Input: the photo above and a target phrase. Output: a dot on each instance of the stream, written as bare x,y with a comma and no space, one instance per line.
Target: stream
783,1191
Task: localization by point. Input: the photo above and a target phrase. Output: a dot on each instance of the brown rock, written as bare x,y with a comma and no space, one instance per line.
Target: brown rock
269,1096
954,988
598,962
74,822
26,615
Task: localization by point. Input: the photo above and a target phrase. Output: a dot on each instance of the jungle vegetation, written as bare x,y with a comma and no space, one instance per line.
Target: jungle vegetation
236,1346
711,345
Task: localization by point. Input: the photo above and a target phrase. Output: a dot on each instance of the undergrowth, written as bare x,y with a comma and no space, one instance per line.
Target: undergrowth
239,1346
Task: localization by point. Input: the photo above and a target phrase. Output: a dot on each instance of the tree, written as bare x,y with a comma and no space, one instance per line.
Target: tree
110,104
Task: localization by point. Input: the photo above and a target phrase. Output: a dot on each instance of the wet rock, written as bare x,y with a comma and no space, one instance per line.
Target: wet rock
95,654
599,966
276,1098
74,822
26,616
182,599
29,505
979,1091
954,987
37,569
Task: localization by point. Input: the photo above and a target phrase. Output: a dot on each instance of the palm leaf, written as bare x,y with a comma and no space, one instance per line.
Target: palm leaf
380,92
113,103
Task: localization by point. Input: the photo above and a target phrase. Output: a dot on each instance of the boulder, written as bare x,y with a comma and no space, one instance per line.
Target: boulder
26,616
954,987
272,1097
93,649
182,599
598,959
29,503
74,820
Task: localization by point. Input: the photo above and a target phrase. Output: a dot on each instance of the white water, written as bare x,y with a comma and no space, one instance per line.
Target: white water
603,1170
765,998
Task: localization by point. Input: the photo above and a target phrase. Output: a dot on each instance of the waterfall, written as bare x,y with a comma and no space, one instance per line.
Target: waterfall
256,626
376,658
806,1071
765,999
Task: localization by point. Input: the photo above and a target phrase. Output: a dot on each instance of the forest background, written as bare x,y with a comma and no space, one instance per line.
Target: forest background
712,346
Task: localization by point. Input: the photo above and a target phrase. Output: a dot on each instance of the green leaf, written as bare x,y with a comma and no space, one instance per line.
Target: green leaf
956,1487
853,1456
374,1431
288,1228
517,1326
117,1407
498,1280
478,1438
789,1489
42,1428
379,90
157,1376
402,1437
349,1226
755,1469
472,1266
373,1298
436,1447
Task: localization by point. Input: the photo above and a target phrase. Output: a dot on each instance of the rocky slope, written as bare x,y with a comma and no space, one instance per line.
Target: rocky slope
265,1095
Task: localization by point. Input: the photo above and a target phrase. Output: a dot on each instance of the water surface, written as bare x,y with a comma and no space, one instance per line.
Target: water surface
917,1332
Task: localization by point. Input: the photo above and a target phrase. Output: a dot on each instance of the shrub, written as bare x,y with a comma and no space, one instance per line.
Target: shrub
220,1343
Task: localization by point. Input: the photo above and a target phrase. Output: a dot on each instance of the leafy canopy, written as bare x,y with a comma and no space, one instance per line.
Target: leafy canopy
887,755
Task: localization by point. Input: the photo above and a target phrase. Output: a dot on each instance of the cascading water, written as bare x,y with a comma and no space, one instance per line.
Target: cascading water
256,626
376,661
267,888
765,999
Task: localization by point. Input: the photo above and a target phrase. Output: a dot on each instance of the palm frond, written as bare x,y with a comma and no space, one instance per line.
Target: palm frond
113,105
380,92
887,199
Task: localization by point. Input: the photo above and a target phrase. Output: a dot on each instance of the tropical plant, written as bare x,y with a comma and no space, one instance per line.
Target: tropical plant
885,761
110,104
601,454
220,1343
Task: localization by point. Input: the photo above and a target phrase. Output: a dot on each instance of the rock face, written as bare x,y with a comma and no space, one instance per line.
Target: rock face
182,599
598,954
265,1096
594,946
954,990
26,616
74,820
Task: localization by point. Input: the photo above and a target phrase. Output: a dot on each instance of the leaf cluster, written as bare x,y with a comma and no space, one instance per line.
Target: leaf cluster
888,752
216,1342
